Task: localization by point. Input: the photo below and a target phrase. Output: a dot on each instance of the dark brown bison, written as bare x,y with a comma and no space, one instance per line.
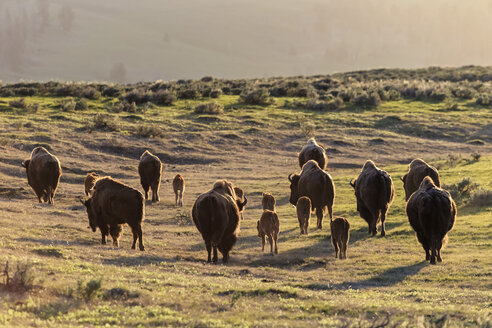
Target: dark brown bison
179,188
268,202
89,182
312,150
374,191
43,173
417,171
113,204
316,184
431,212
240,196
150,169
268,225
340,234
216,215
303,208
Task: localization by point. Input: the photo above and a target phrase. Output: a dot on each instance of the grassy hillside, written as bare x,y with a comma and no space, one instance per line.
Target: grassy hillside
385,281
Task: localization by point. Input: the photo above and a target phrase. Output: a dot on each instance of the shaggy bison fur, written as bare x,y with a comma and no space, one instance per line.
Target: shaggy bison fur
418,170
216,215
268,225
150,169
431,212
268,202
43,173
340,234
90,182
316,184
312,150
375,192
179,188
113,204
303,208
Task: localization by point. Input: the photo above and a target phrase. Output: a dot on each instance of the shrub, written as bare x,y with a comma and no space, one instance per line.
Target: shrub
256,97
104,122
138,96
209,108
364,99
462,190
19,103
307,127
216,93
90,290
464,93
484,99
111,92
123,106
476,157
480,198
20,280
207,79
149,131
67,105
89,93
81,104
451,105
163,98
188,94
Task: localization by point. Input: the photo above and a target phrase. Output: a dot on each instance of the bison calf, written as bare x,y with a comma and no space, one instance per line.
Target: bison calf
268,225
340,234
113,204
303,208
89,182
268,202
150,170
240,197
179,188
43,173
431,212
417,171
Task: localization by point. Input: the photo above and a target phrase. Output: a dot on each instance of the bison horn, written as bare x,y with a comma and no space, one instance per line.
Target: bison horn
82,201
352,183
290,177
245,201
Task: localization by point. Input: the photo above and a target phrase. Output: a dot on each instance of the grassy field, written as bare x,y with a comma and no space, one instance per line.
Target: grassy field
384,282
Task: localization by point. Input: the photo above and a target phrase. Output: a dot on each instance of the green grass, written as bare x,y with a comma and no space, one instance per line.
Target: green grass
170,285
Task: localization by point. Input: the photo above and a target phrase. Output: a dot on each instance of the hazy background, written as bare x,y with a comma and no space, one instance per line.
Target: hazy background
129,40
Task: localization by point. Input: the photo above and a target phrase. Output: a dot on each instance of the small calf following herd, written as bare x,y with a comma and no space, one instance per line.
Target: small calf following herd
217,214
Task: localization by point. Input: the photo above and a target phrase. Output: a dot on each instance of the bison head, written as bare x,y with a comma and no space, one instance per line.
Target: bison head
25,163
241,205
353,183
294,189
90,213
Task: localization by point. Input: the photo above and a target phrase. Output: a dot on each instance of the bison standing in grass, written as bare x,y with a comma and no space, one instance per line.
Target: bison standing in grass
268,202
418,170
43,173
374,191
312,150
268,226
150,169
303,208
90,182
316,184
431,212
113,204
179,188
340,234
216,215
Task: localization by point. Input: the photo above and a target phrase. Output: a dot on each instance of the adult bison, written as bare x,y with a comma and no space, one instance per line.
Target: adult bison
374,191
216,215
431,212
316,184
418,170
312,150
150,169
43,173
113,204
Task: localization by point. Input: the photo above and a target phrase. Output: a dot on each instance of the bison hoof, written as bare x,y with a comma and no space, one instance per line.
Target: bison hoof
142,248
383,233
133,247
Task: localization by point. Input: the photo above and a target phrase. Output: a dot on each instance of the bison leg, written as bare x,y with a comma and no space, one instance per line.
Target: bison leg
301,226
270,241
275,238
104,232
216,258
146,190
181,198
433,252
319,215
209,251
335,246
115,232
262,243
176,198
225,259
155,193
140,241
345,249
439,258
383,218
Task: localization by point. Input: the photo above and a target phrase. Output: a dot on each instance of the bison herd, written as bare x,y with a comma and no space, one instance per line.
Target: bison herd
217,213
